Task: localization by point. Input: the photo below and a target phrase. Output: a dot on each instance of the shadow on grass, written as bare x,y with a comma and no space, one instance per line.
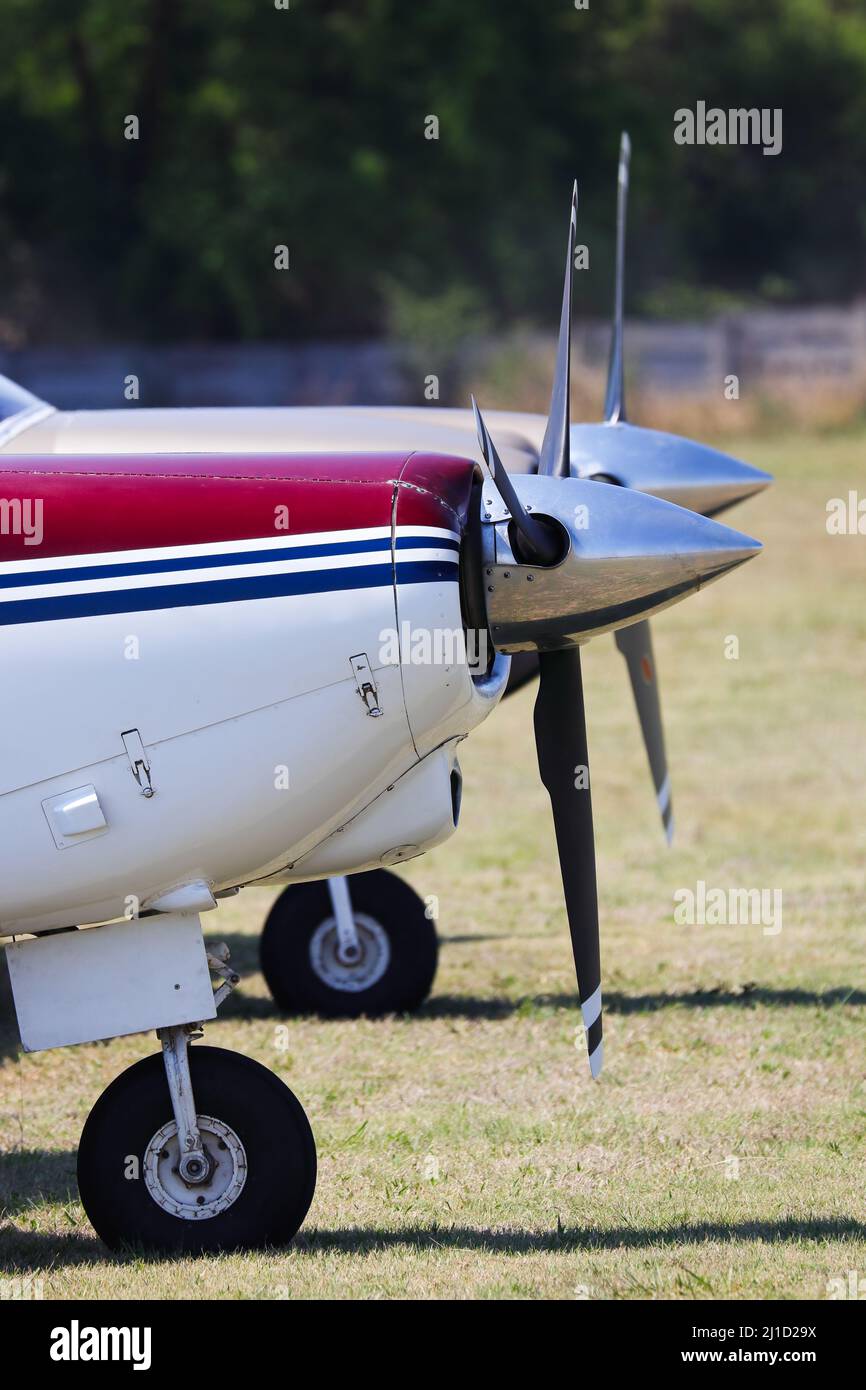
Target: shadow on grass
26,1172
362,1241
245,957
466,1006
24,1250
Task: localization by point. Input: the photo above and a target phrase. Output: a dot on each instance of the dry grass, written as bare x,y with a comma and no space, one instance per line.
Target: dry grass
723,1043
518,376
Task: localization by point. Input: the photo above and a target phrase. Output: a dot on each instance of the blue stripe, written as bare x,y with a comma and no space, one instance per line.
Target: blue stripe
92,605
249,557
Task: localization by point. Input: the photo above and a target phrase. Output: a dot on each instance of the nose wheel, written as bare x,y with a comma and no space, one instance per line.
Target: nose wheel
347,947
248,1183
210,1182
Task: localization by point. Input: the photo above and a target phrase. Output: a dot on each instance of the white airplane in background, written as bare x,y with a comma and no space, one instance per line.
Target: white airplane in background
370,947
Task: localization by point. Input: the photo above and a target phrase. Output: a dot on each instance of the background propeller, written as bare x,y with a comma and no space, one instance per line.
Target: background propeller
635,643
614,399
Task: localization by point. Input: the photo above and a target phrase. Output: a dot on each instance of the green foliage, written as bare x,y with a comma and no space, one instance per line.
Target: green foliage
679,299
306,127
433,328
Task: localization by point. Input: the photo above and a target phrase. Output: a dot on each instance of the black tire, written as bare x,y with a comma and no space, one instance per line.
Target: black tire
264,1114
397,910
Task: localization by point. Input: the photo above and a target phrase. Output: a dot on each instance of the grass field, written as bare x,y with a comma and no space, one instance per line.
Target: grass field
465,1152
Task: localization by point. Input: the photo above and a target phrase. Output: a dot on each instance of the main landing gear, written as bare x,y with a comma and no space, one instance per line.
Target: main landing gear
346,947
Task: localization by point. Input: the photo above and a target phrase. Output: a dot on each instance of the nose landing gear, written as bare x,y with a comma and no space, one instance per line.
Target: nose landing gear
220,1158
258,1159
346,947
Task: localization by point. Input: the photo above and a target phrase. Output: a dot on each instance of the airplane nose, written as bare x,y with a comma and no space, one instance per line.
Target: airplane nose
625,555
664,465
722,554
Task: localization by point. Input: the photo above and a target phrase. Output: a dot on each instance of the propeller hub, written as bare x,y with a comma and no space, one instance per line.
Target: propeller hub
623,556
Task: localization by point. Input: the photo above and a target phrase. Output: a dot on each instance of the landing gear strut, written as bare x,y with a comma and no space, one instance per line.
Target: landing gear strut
221,1158
350,946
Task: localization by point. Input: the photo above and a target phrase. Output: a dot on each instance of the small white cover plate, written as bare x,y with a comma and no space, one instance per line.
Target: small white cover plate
104,982
74,816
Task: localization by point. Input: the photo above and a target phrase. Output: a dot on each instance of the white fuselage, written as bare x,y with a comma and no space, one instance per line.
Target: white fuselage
265,761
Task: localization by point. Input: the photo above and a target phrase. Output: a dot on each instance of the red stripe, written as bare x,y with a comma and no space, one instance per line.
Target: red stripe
435,491
128,502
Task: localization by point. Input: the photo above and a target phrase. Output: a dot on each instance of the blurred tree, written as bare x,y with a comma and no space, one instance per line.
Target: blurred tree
309,127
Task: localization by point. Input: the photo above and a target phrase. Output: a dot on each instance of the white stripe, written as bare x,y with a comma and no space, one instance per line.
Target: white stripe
182,552
596,1061
428,531
663,795
591,1009
216,574
425,553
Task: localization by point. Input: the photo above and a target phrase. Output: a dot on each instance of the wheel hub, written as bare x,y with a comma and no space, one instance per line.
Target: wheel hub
195,1167
188,1186
353,969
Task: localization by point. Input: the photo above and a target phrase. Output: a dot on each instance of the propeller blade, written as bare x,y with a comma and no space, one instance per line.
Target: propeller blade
563,762
541,545
554,456
635,643
614,400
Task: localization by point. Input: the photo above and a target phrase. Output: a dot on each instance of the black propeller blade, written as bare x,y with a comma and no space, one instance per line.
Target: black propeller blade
560,721
636,645
563,762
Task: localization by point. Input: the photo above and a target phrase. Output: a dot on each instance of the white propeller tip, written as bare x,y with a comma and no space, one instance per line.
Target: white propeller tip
591,1008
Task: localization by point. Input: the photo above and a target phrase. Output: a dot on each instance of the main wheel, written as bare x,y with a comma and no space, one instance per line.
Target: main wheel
256,1137
396,962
